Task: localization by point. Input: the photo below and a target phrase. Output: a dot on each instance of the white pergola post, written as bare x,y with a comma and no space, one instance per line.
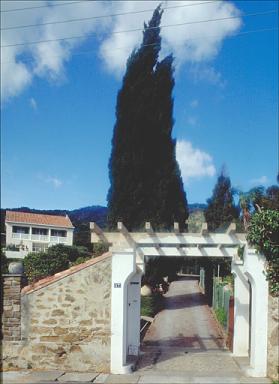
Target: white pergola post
123,267
254,270
241,311
133,314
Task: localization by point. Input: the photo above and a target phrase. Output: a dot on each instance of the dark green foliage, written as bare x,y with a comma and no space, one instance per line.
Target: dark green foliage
221,316
82,235
158,267
58,258
99,248
151,305
42,264
256,199
221,210
263,234
4,262
146,184
80,260
272,198
72,252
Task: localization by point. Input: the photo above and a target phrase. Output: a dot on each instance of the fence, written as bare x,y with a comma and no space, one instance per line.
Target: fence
202,274
221,302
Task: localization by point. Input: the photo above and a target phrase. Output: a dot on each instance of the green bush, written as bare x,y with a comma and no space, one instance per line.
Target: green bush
80,260
4,262
58,258
38,265
263,234
99,249
72,252
221,316
151,305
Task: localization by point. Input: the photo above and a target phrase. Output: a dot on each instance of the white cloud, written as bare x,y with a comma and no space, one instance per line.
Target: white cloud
33,103
263,180
194,163
194,103
192,120
205,72
189,43
52,180
20,64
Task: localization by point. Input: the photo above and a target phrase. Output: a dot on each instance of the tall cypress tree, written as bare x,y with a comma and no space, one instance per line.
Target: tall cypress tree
221,209
145,178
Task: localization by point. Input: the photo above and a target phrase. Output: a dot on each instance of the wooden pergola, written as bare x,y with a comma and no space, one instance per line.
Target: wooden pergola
175,243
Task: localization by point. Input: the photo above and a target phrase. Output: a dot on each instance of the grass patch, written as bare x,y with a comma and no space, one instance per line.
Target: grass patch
221,316
151,305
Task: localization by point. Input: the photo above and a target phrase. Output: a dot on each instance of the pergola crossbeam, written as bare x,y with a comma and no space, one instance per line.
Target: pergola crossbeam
203,244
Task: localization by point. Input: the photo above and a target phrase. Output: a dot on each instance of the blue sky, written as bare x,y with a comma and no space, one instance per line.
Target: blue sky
58,98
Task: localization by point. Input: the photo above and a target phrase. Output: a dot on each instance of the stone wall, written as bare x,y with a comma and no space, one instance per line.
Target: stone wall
273,338
65,321
11,317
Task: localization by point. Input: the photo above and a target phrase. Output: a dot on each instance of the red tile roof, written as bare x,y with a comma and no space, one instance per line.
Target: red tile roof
60,275
35,218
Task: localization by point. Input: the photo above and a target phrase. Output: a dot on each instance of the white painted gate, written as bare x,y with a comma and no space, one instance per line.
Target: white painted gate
130,248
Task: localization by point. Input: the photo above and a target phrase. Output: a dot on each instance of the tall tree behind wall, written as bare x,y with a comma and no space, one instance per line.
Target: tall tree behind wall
221,209
146,184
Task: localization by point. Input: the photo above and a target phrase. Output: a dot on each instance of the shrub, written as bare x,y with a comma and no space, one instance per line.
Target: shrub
58,258
38,265
4,262
151,305
80,260
263,234
73,252
221,316
99,249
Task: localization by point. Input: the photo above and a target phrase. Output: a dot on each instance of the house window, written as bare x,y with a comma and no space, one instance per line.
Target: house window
39,247
17,229
40,231
58,233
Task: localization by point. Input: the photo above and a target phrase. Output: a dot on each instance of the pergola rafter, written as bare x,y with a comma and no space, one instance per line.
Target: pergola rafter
184,244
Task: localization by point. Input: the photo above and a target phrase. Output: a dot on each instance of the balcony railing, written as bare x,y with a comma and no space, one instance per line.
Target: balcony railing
40,237
58,239
25,236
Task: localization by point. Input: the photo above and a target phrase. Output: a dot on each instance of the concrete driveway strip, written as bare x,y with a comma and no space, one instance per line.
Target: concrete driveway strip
122,379
33,377
77,377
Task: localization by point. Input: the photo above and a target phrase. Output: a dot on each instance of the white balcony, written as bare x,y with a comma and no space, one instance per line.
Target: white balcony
40,237
58,240
22,236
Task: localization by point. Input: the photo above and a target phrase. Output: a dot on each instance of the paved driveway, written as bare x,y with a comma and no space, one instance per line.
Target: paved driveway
185,336
186,322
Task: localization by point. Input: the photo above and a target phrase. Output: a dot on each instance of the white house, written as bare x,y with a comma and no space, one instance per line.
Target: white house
32,232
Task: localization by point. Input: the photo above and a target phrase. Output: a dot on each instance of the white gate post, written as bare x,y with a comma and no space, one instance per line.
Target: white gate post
133,316
241,311
254,269
123,266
